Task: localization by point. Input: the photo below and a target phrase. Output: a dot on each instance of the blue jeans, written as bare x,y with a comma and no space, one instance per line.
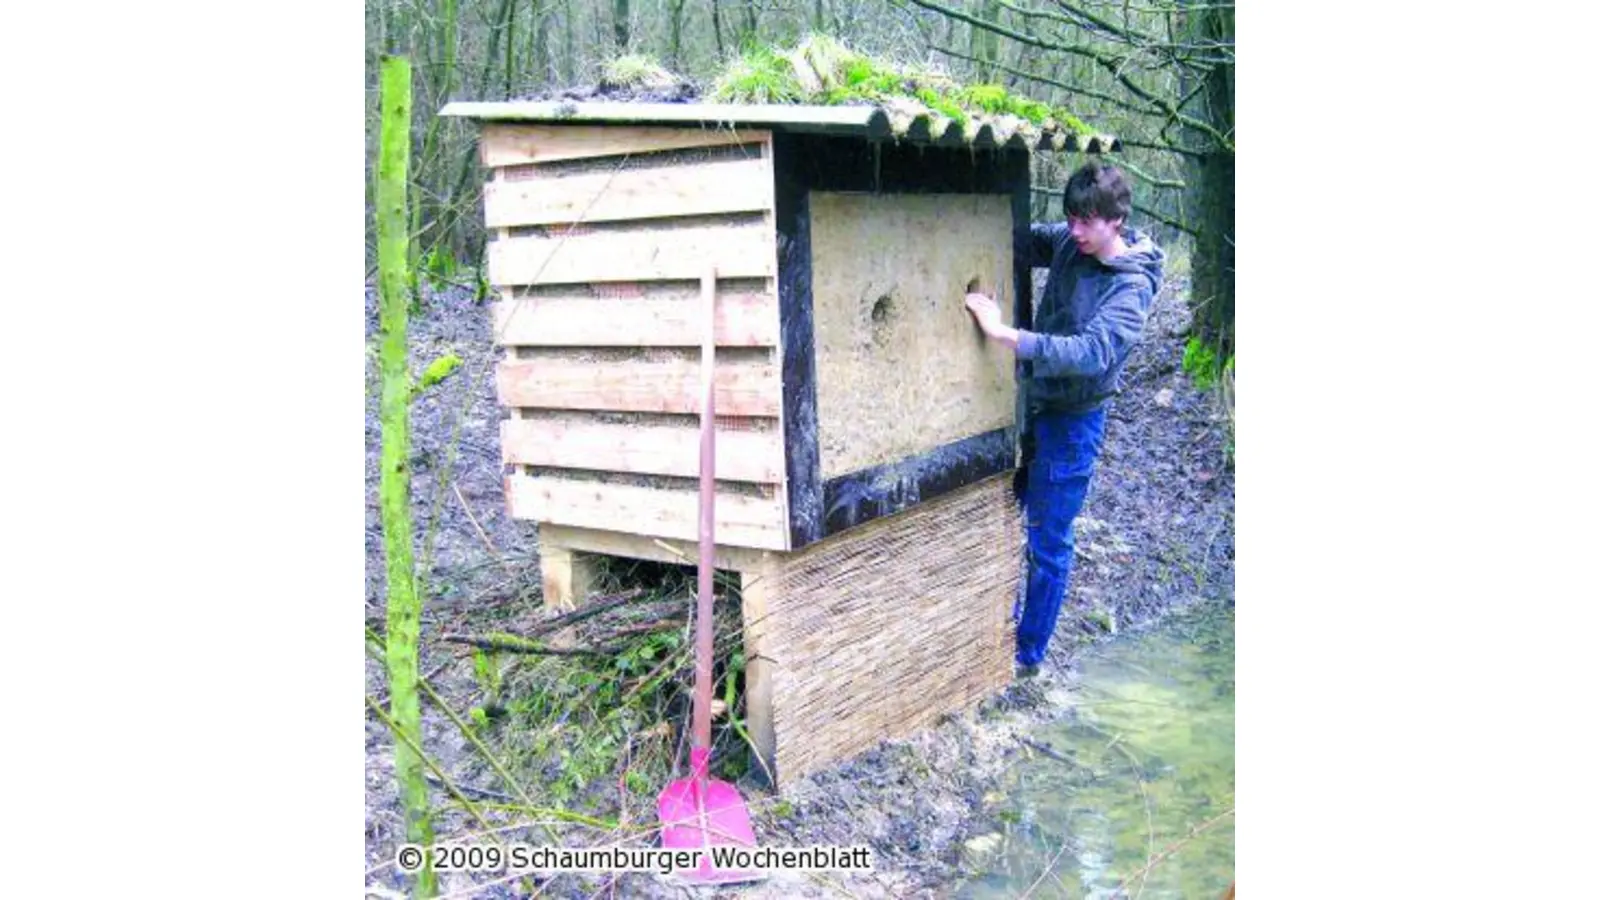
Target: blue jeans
1066,447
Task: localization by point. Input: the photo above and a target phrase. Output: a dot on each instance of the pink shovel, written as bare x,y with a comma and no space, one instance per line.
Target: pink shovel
700,812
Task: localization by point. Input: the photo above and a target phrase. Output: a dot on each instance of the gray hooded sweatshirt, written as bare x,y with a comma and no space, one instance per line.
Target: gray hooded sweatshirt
1089,319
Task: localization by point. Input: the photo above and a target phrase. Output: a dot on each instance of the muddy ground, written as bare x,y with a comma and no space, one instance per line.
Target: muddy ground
1156,533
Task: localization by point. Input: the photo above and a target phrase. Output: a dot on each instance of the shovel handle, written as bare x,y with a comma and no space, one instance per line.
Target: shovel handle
703,613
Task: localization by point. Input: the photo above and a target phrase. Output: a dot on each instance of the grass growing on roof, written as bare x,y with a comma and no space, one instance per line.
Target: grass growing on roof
830,60
637,70
759,75
822,70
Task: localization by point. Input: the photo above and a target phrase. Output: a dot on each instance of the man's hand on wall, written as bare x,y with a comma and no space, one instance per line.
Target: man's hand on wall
987,312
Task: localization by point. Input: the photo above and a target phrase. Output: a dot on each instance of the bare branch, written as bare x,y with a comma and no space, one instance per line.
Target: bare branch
587,612
1088,21
1149,179
1165,8
1078,19
1116,65
506,643
1170,223
1086,92
1167,148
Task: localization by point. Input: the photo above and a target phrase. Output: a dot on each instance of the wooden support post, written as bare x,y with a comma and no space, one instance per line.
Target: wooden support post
755,587
568,578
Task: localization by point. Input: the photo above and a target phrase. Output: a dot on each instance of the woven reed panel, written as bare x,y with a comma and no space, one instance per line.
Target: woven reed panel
879,631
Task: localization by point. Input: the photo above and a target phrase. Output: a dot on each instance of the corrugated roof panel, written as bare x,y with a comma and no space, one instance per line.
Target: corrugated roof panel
904,119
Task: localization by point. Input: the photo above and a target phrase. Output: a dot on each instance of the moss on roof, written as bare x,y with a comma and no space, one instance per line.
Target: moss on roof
822,70
638,72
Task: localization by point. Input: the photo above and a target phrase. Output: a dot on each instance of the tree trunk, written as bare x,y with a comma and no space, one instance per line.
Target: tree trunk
539,52
747,25
1212,297
716,27
503,18
619,24
985,45
1213,253
394,489
428,166
511,46
675,35
569,50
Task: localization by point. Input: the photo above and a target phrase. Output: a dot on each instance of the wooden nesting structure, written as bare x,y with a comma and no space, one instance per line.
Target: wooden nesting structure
864,426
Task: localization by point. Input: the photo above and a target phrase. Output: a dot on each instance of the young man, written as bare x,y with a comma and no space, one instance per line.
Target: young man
1103,278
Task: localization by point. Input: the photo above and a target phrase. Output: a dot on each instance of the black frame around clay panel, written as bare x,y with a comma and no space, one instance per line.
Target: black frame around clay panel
809,162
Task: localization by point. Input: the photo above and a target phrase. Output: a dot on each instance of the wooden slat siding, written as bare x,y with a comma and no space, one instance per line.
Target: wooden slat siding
737,185
743,251
517,145
500,177
641,449
740,521
672,386
743,320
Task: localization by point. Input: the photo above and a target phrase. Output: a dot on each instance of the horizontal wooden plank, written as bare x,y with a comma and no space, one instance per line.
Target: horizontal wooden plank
641,449
737,251
734,185
636,546
516,145
740,521
743,320
672,386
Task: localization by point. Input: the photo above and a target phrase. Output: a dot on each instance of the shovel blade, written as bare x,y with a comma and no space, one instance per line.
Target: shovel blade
692,820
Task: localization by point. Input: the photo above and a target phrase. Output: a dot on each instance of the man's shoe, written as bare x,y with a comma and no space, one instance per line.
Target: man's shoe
1027,671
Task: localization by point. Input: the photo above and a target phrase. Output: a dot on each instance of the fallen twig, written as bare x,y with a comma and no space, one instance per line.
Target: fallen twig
383,699
508,643
1049,868
449,785
1175,847
1149,817
1049,752
586,612
493,551
481,792
648,627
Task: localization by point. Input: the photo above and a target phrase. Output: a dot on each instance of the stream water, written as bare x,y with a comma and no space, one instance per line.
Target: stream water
1131,795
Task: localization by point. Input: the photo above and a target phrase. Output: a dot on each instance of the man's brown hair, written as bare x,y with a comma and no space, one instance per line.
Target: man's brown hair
1097,189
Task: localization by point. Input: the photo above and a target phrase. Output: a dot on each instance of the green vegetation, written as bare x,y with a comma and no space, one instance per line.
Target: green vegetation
581,726
1212,372
404,603
636,70
1201,363
759,75
822,70
438,371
